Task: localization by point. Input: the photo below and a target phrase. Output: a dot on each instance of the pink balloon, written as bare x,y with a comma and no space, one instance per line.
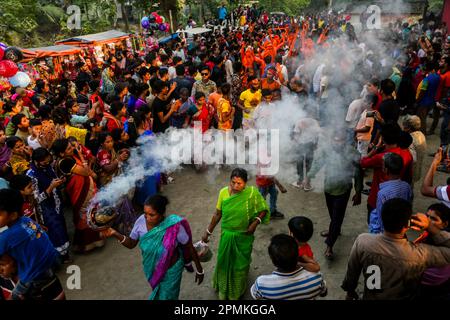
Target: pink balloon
8,68
158,19
154,14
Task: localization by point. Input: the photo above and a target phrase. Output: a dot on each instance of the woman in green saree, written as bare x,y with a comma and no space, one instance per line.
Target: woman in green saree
166,246
241,209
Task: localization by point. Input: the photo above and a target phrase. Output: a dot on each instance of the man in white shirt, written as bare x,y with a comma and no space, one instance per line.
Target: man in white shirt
228,66
317,77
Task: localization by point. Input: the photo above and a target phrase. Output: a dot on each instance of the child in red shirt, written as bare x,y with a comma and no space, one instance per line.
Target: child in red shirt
301,228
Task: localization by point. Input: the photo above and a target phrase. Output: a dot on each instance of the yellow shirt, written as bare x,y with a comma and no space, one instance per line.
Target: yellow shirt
223,109
248,97
242,20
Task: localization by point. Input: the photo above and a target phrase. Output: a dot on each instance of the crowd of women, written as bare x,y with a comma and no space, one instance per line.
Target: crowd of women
60,142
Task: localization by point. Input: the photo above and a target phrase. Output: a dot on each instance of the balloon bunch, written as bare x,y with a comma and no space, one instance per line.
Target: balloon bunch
155,22
9,56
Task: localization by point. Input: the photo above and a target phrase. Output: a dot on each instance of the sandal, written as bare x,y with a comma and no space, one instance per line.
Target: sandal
307,187
297,185
324,233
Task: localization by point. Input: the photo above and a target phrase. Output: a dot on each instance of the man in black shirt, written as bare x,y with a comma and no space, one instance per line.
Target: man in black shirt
162,107
389,108
182,81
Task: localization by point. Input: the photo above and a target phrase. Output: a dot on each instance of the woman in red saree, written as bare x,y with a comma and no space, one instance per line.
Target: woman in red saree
81,189
201,112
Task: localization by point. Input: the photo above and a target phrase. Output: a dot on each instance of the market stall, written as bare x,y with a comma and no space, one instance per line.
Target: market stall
47,62
102,44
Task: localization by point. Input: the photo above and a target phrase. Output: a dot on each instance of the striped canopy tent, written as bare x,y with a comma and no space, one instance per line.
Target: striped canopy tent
110,36
50,51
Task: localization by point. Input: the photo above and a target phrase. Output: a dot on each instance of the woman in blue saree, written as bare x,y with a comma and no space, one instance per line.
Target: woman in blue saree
166,246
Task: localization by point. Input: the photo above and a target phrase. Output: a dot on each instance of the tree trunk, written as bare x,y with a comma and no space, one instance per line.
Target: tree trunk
124,15
167,5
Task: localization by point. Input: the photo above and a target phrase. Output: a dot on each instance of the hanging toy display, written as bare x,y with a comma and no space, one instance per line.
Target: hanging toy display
8,68
145,23
155,22
20,79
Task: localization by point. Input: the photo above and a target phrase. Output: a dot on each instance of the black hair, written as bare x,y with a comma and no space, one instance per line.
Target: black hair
176,59
60,115
19,182
302,228
393,163
143,71
279,58
102,137
35,122
405,140
225,88
204,67
395,214
199,95
81,84
12,141
40,154
442,211
94,84
239,173
116,134
153,70
11,201
391,133
283,250
164,57
180,70
17,119
192,70
266,92
158,203
45,112
115,107
163,71
158,85
268,59
59,146
184,90
40,85
150,57
120,86
387,86
70,103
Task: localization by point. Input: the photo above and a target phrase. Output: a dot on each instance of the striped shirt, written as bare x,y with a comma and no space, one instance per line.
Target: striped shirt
297,285
388,190
443,194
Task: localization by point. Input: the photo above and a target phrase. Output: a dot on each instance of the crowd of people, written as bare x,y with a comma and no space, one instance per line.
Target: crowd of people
60,142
